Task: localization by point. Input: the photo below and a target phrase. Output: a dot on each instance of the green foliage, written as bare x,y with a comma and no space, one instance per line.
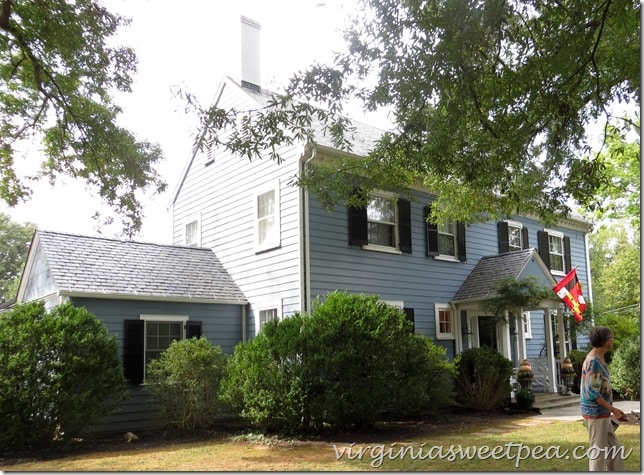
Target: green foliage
14,246
525,399
483,378
58,70
342,366
59,373
185,382
625,368
513,295
577,358
486,107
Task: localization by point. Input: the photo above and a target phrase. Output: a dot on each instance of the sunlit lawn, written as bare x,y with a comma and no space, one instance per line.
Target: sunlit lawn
511,445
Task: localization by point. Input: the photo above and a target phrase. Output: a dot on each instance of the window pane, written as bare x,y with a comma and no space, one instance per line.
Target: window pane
266,204
381,209
514,237
381,234
556,253
191,233
446,244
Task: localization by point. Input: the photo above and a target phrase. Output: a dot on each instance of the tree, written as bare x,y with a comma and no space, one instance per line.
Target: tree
57,74
490,99
14,245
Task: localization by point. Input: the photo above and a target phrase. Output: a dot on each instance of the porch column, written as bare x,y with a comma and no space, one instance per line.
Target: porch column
551,352
505,336
563,352
521,347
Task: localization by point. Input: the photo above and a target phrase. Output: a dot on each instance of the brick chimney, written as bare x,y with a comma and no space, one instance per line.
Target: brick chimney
250,57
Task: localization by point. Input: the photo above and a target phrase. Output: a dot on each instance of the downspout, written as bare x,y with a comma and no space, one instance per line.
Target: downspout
305,258
244,307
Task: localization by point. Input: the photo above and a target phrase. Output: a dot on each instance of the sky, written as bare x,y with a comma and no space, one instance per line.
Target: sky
191,45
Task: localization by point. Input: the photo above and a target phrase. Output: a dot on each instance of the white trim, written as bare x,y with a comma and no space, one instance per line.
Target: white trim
395,249
269,306
438,307
560,235
164,318
526,324
515,224
274,239
399,304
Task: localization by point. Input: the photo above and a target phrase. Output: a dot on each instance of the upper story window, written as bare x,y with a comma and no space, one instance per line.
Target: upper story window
446,239
192,233
513,236
444,322
267,218
384,225
554,250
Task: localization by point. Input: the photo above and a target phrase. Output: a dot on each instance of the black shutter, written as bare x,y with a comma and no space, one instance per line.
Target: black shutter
544,247
193,329
409,313
504,241
460,240
524,235
567,255
358,226
431,234
133,353
404,225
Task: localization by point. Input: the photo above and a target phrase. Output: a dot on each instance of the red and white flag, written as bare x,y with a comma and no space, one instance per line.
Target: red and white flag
573,298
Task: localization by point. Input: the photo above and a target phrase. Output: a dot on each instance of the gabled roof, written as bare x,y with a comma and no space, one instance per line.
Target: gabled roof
96,266
482,281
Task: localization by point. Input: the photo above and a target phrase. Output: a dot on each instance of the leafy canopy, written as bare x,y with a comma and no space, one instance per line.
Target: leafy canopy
14,246
57,73
491,101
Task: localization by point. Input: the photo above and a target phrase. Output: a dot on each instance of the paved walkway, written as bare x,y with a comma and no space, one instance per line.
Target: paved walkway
571,413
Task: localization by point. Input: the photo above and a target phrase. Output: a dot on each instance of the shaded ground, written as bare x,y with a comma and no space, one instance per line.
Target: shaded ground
450,420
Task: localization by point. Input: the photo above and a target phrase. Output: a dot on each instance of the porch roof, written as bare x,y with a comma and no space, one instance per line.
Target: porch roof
482,281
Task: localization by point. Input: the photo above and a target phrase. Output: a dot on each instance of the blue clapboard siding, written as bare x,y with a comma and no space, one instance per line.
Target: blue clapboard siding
221,325
415,279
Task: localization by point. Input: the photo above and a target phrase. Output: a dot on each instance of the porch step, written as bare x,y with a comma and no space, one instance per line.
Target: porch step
554,400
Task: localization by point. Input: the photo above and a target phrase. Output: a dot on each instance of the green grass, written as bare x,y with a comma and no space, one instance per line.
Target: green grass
258,453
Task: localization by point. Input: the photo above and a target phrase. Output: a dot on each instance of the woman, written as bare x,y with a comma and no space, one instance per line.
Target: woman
597,404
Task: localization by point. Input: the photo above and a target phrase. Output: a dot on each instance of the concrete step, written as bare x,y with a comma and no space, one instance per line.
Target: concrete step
552,400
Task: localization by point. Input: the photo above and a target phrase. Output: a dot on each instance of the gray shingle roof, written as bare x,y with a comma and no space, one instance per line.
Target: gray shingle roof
482,281
110,267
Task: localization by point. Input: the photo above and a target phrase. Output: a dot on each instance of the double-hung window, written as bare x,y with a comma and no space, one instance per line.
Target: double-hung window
267,315
445,239
554,249
513,236
146,338
383,225
444,322
267,218
192,232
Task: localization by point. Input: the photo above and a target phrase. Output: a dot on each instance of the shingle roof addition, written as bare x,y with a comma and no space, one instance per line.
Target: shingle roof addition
82,264
489,271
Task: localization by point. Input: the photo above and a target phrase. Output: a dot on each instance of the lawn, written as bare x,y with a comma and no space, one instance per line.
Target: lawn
496,444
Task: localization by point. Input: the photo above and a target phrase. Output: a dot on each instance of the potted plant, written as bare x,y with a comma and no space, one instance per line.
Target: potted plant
567,375
525,376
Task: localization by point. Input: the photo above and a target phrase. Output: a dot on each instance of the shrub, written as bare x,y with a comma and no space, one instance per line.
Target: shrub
185,382
525,399
625,369
483,378
59,373
342,366
577,357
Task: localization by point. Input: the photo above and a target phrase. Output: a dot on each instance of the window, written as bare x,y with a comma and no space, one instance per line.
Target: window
554,250
445,240
267,315
527,324
267,208
384,225
145,339
381,215
444,322
513,236
192,234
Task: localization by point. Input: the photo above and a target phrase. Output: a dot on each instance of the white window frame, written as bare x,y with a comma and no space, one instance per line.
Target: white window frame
519,227
273,239
398,304
195,219
395,224
447,257
182,319
557,234
267,308
526,323
444,307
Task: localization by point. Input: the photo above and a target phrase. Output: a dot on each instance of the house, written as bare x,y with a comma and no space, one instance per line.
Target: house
284,250
146,295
